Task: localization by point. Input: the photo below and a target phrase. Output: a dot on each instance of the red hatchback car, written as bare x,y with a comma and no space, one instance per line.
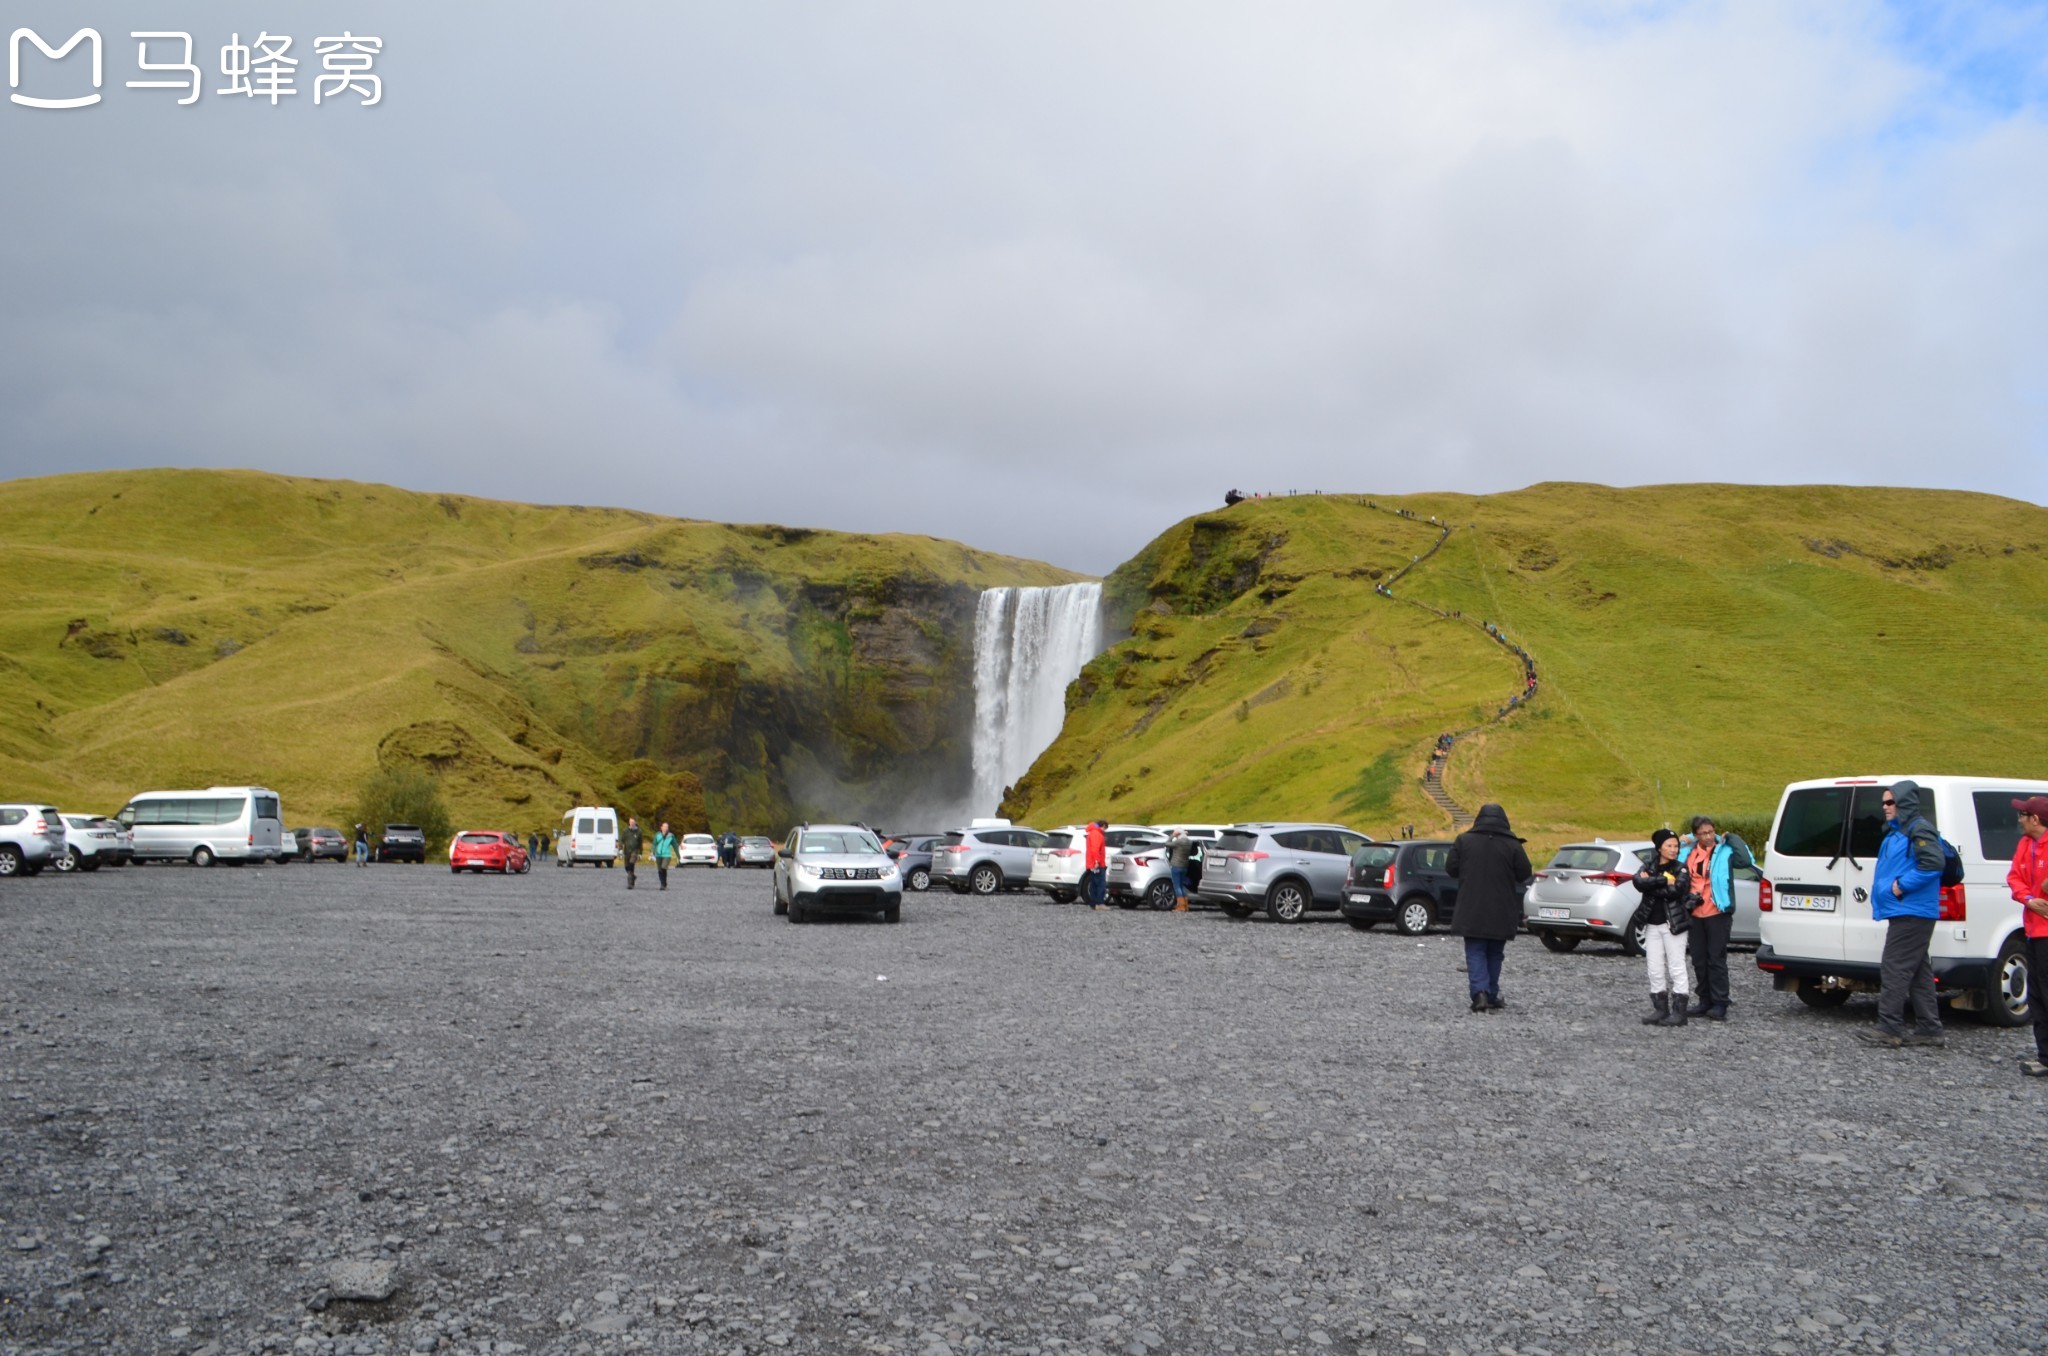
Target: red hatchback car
484,850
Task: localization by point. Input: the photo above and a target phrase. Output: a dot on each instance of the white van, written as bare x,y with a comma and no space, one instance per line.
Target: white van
590,833
1818,938
233,824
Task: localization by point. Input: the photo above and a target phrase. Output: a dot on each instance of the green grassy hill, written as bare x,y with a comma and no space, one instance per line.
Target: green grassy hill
1697,648
178,628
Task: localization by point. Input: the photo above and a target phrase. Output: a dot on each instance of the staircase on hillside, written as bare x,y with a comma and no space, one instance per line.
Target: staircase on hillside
1433,787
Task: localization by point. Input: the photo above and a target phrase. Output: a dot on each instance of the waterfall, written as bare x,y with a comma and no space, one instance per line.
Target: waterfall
1028,645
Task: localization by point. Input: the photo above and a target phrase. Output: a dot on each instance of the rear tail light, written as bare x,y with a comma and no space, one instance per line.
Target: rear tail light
1063,852
1763,896
1954,905
42,826
1541,875
1609,877
1387,881
1143,861
1246,856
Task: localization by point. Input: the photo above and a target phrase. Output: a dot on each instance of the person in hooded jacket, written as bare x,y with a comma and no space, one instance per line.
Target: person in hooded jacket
1905,892
1664,888
1492,869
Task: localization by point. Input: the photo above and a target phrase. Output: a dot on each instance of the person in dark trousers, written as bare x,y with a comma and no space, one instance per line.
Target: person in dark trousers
1665,889
664,854
629,847
1709,870
1905,893
1491,868
362,846
533,846
2028,880
1095,866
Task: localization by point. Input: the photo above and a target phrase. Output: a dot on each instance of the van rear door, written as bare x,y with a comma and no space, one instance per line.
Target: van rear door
1806,865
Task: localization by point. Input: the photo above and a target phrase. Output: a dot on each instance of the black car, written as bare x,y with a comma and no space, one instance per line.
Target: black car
402,843
1403,883
912,853
321,845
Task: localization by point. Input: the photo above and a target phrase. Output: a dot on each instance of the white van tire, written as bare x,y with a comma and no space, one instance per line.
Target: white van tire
2005,996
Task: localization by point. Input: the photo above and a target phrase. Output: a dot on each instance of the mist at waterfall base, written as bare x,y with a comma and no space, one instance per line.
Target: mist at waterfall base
1029,644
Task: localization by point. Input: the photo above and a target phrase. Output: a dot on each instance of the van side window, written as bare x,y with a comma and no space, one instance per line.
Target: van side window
1811,825
266,807
1866,822
1998,824
228,811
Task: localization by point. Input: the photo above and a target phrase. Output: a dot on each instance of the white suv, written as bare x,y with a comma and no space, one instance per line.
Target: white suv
31,838
1819,940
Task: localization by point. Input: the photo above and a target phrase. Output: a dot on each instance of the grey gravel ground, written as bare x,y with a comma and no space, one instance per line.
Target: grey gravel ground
574,1119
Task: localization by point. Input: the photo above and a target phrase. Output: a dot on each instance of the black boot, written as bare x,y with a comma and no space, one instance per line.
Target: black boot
1699,1009
1678,1013
1662,1004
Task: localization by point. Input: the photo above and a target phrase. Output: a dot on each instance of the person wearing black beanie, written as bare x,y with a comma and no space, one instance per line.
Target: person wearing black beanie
1665,889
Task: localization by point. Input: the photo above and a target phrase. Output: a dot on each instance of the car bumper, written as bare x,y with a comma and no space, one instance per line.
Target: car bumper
1051,883
850,899
1573,927
1368,906
1952,973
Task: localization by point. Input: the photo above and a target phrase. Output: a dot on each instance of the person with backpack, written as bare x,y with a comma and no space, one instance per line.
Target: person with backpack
664,854
1709,869
1665,888
2028,881
629,847
1905,892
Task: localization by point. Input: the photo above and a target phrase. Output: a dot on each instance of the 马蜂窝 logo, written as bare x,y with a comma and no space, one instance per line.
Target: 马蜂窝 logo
14,43
260,69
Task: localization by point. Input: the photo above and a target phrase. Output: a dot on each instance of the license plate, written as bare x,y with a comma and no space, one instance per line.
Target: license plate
1361,899
1553,913
1807,903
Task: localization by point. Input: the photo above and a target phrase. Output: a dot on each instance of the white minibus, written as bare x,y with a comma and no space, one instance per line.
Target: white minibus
233,824
590,833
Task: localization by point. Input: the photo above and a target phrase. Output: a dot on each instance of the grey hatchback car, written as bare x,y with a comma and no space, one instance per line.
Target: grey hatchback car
1289,869
1588,890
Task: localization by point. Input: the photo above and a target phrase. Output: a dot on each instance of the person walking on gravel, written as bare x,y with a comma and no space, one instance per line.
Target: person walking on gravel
664,854
1665,889
2029,881
629,847
1905,893
1491,868
362,846
1180,851
1709,869
1095,866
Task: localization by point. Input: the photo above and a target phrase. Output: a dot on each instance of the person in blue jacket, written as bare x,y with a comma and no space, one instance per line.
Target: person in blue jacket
1905,892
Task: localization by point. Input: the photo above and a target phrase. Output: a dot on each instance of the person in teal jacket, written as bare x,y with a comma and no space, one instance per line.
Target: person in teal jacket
1905,893
664,853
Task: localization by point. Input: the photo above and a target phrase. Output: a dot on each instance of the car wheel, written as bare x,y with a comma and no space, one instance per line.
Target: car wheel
10,860
1556,942
799,913
1287,901
454,870
69,861
780,907
1061,896
1235,909
89,863
893,914
1412,918
956,887
32,868
1817,995
202,856
920,880
986,880
1159,896
1362,924
2005,997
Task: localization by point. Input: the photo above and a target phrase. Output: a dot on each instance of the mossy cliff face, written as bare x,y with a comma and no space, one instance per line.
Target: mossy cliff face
173,628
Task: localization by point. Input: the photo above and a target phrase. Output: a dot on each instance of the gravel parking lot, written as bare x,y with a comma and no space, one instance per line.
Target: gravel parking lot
575,1119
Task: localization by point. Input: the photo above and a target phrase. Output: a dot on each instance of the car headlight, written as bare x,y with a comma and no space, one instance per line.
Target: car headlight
804,869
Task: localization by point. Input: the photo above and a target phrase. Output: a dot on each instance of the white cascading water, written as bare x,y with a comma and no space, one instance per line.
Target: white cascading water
1028,645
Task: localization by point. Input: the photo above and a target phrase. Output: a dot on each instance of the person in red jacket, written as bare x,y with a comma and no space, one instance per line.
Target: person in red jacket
1096,865
2029,881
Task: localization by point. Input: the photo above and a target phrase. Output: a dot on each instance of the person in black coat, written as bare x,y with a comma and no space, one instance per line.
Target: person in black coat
1492,870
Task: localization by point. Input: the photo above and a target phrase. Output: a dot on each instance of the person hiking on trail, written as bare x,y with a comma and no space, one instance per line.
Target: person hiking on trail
1180,852
1665,889
1491,868
664,854
629,847
1095,865
1905,892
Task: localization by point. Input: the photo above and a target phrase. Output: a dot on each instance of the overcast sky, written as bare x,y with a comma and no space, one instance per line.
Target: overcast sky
1041,276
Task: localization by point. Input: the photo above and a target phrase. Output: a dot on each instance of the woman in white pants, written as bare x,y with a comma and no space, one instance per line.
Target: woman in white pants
1664,887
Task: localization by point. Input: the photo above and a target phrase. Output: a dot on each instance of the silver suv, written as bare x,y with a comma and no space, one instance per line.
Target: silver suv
1588,890
1058,863
1140,875
985,858
835,868
1289,868
31,838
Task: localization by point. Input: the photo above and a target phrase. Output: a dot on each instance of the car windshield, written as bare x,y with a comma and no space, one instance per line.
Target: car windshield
1237,840
480,839
1584,859
822,843
755,842
698,839
1374,857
